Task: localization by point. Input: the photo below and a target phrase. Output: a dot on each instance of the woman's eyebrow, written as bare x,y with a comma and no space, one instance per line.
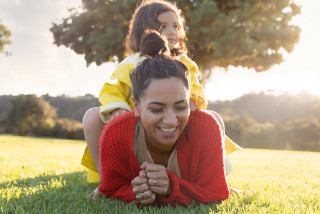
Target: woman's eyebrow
181,101
162,104
156,103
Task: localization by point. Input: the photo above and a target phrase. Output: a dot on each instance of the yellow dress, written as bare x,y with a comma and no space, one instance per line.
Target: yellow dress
118,95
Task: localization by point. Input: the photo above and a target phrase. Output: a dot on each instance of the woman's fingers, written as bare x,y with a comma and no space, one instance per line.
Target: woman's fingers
160,186
158,180
139,181
149,167
159,190
157,175
141,188
143,174
147,197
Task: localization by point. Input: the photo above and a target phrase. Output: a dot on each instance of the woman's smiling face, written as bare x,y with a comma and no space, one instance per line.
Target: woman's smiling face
164,112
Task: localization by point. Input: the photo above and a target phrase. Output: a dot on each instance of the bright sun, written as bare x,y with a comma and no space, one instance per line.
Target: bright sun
305,59
307,81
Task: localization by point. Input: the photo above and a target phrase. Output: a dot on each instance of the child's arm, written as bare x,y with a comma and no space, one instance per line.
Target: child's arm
118,95
114,98
117,112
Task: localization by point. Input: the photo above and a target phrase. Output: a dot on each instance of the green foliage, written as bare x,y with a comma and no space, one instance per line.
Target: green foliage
97,31
72,107
66,107
29,114
270,108
40,175
248,33
302,133
4,37
253,120
5,107
63,115
273,122
66,128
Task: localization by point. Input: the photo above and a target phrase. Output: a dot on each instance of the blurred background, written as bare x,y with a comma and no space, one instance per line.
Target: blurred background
258,62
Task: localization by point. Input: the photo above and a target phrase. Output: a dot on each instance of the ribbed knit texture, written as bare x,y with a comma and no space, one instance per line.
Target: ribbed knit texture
200,161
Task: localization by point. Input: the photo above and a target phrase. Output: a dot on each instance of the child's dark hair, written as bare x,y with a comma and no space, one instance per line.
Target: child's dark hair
146,17
158,65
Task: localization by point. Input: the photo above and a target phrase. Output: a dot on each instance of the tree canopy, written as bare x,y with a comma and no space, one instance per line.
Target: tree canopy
4,37
247,33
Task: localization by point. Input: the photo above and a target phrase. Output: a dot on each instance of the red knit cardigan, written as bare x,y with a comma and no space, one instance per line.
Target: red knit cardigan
200,158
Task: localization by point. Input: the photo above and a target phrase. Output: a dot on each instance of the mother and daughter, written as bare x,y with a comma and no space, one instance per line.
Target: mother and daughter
168,150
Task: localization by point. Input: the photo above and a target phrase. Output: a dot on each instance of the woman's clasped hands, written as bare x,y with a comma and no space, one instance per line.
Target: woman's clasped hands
153,180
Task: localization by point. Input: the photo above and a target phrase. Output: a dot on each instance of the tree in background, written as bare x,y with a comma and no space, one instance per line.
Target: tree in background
300,133
30,115
248,33
4,38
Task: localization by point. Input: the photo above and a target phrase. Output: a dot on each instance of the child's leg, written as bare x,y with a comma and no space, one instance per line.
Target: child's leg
92,127
227,164
227,161
219,119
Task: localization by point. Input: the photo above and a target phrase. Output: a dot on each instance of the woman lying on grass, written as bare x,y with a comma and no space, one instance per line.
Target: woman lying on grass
172,156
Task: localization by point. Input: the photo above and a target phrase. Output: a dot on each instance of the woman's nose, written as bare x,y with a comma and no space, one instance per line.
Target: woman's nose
170,118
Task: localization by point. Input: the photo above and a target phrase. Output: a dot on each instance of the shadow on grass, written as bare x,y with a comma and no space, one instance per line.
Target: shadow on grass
66,193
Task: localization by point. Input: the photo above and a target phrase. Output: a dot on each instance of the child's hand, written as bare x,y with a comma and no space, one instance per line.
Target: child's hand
95,194
117,112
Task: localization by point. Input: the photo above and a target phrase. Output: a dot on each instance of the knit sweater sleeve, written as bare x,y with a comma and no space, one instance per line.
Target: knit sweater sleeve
201,163
117,164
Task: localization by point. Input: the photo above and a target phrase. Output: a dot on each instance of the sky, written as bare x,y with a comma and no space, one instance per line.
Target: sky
37,66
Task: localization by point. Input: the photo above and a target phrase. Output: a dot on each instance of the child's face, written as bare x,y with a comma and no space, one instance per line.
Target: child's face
170,28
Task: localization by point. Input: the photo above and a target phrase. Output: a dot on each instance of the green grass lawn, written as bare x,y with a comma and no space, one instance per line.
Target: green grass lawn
43,175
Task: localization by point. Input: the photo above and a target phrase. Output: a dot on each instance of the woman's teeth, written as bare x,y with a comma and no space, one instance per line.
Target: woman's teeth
168,130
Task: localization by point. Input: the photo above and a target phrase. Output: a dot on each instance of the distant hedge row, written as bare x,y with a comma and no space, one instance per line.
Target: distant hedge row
32,115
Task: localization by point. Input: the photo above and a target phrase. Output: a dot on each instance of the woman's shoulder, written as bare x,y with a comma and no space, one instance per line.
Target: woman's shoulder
201,120
203,129
202,114
117,137
120,127
124,119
